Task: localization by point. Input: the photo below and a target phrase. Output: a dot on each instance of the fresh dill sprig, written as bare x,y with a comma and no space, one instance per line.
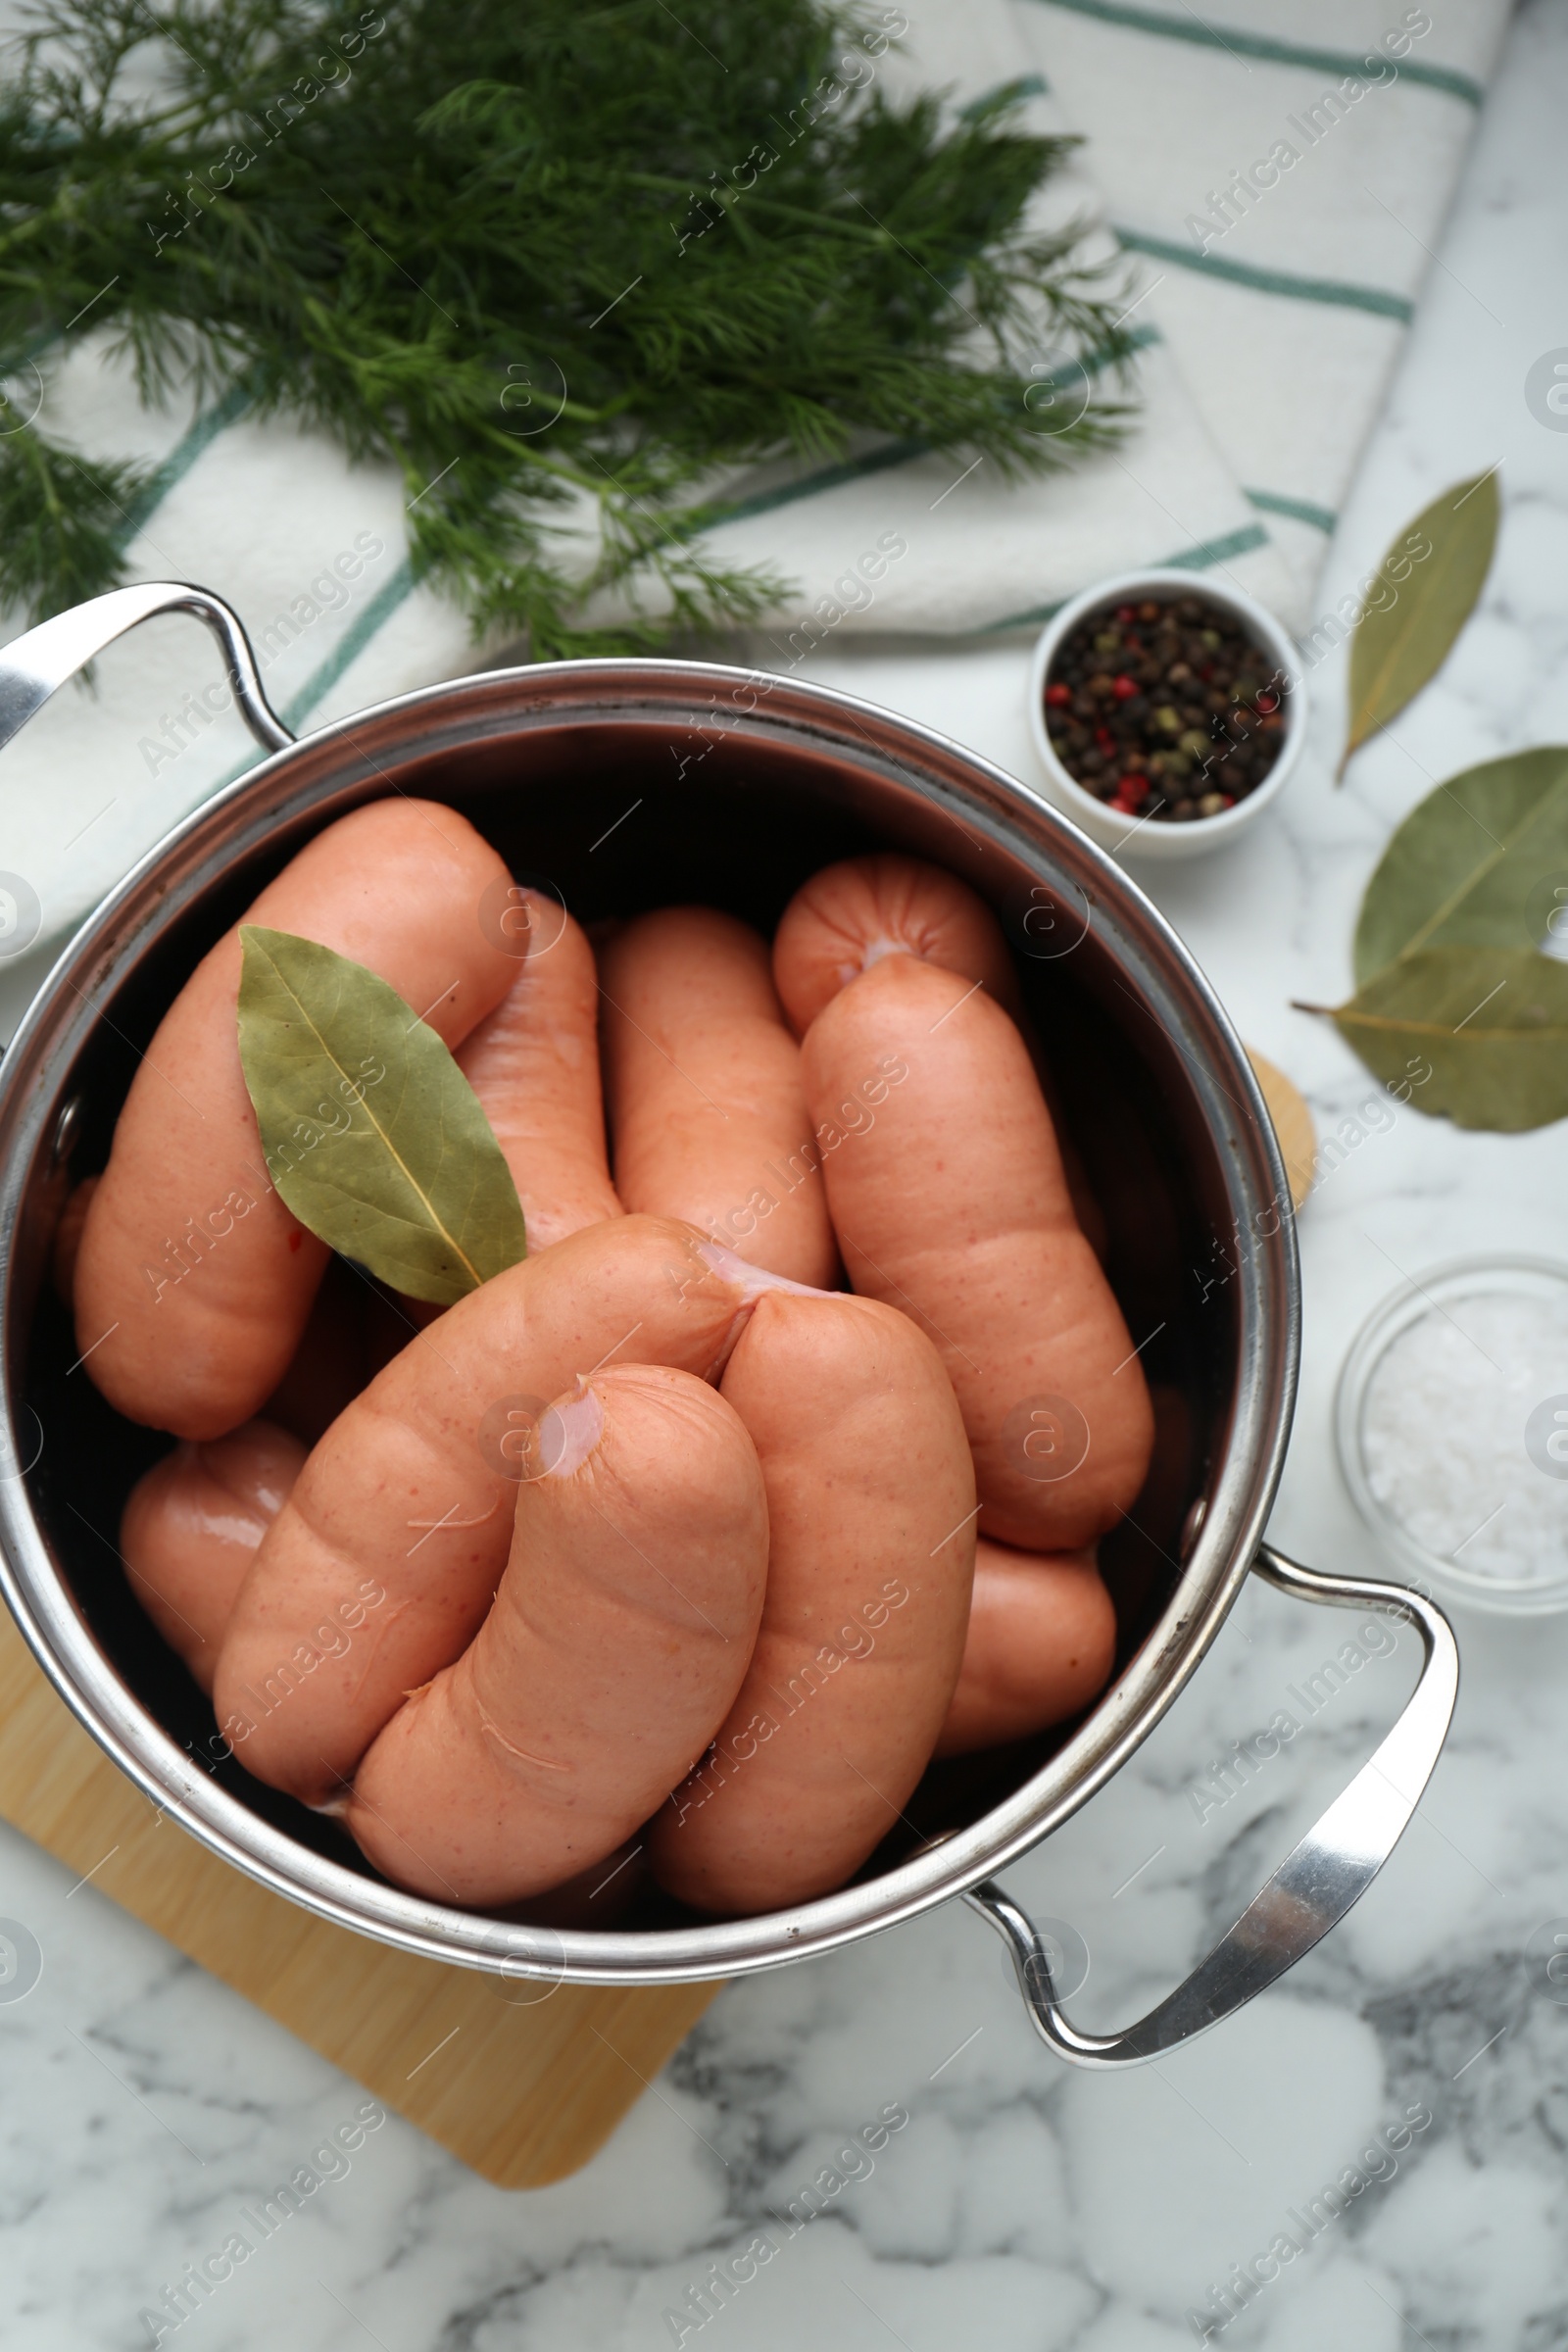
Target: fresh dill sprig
555,263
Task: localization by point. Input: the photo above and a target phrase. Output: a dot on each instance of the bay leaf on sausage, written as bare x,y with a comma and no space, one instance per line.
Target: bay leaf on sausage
1491,1023
1401,642
373,1136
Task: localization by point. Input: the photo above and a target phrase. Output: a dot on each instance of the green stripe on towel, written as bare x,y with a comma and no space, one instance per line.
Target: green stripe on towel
349,646
810,485
1447,78
199,435
1300,509
1006,94
1202,558
1239,542
1332,290
877,461
327,674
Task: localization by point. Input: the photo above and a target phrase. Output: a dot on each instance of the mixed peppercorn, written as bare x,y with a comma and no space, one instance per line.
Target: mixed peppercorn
1165,711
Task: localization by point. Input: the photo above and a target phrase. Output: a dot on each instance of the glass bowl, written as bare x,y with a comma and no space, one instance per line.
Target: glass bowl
1451,1426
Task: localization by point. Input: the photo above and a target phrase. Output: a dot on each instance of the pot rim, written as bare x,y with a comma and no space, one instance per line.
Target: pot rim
335,767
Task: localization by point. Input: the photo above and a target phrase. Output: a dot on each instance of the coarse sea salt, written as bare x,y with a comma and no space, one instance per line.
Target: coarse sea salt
1443,1434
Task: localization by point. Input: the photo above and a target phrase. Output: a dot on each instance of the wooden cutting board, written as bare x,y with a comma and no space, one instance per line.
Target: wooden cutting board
524,2090
1292,1124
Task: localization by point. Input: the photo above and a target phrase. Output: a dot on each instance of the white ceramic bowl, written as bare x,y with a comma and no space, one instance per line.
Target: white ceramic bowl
1148,837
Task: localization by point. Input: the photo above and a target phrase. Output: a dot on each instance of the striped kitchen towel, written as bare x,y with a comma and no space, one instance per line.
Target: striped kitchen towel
310,551
1285,177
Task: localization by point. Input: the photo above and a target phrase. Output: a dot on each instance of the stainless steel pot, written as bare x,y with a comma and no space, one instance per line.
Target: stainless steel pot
631,783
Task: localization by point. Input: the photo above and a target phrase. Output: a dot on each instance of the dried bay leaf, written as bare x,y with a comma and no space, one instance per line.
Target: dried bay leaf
1400,643
373,1137
1490,1024
1473,864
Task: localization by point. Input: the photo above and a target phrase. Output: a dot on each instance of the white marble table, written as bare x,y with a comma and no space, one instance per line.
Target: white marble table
1021,2207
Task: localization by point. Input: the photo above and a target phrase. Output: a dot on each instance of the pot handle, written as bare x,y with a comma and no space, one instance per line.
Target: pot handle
1315,1886
33,665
